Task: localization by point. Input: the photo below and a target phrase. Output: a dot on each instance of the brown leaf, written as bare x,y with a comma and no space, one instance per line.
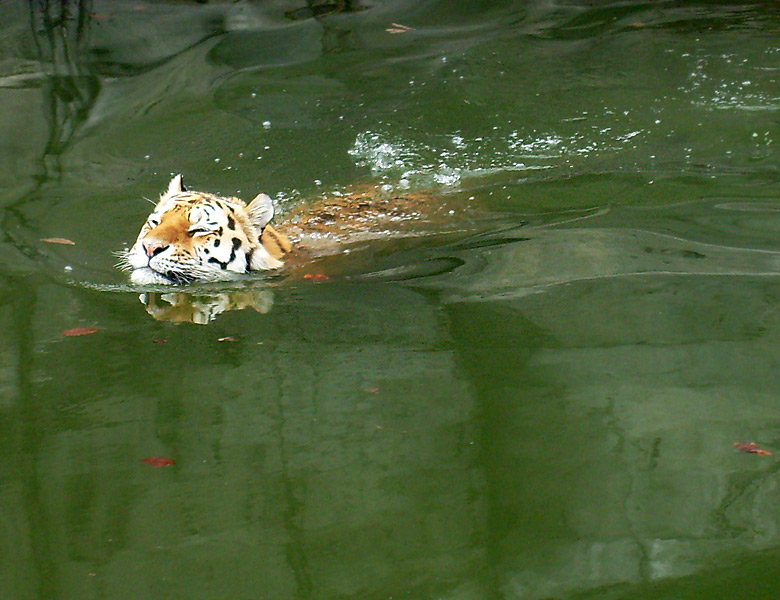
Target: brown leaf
751,448
78,331
158,461
64,241
372,390
316,276
398,28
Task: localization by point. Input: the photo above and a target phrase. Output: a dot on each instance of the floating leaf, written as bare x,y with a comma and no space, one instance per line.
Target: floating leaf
751,448
372,390
227,338
316,276
158,461
398,28
64,241
77,331
160,341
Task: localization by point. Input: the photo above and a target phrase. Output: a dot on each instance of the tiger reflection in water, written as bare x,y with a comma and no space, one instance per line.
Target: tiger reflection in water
201,309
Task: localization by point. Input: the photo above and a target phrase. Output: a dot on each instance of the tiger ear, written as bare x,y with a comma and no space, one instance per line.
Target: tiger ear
261,211
176,186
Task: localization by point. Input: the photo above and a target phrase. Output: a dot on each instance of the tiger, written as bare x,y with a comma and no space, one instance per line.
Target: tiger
194,237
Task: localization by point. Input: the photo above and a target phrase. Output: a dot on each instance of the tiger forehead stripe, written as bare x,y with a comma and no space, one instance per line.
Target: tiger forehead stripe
187,197
211,215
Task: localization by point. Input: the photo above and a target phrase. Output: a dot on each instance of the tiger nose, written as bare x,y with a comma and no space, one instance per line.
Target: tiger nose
153,248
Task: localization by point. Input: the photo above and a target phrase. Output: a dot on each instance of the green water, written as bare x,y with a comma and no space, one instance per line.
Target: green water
544,406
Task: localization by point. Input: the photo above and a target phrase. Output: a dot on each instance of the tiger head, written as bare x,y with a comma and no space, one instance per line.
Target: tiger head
196,237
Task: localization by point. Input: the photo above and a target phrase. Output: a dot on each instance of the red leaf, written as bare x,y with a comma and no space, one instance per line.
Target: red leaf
751,448
316,276
77,331
158,461
64,241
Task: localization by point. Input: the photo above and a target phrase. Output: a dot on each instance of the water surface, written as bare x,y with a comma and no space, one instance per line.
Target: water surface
537,398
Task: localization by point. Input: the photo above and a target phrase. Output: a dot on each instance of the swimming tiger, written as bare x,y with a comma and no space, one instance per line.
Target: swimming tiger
198,237
193,237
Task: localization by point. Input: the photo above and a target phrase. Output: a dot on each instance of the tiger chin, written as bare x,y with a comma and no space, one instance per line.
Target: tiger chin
193,237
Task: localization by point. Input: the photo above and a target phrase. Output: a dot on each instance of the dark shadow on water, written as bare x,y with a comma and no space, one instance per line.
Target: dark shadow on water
61,31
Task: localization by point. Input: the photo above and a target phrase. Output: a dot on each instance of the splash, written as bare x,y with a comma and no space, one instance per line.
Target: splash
447,159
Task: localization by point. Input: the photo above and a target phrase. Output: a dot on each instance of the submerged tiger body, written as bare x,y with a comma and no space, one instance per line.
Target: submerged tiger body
196,237
193,237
